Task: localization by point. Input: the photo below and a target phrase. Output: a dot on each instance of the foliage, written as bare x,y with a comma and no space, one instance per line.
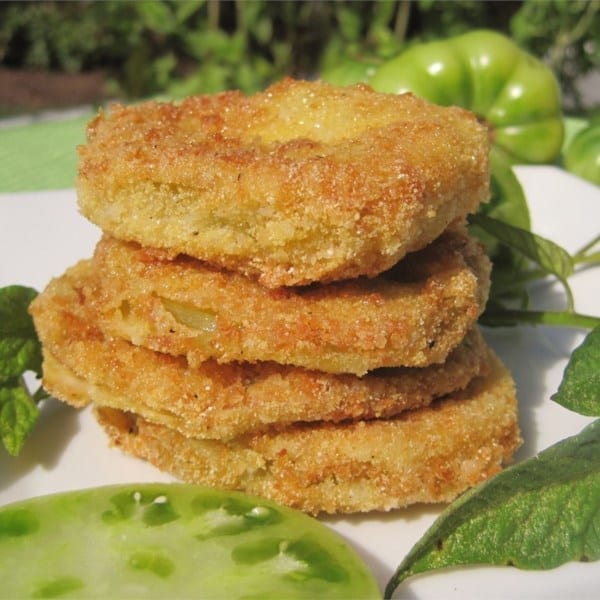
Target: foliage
565,34
538,514
150,47
177,48
20,353
43,35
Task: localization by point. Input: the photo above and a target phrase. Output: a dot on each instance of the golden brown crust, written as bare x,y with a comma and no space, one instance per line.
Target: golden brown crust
427,455
303,182
220,401
412,315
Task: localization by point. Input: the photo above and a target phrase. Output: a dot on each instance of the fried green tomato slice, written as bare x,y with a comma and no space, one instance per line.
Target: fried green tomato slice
413,315
302,182
172,541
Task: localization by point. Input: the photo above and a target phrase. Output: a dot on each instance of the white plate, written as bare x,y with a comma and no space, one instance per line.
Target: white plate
42,233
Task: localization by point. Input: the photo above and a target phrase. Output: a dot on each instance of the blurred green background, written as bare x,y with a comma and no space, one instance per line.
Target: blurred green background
57,54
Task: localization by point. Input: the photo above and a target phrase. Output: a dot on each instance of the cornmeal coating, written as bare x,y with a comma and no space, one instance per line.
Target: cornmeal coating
299,183
412,315
428,455
82,364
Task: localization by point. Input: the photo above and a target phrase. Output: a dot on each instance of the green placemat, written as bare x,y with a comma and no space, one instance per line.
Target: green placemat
40,155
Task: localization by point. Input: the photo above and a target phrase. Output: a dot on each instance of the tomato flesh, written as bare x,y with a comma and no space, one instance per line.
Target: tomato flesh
172,541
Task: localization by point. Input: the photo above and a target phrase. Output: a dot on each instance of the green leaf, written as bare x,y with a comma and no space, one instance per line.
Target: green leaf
18,355
14,317
548,255
349,22
18,415
184,10
19,347
20,351
538,514
580,387
157,16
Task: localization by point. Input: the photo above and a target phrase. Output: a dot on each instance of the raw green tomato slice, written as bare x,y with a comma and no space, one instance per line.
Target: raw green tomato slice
172,541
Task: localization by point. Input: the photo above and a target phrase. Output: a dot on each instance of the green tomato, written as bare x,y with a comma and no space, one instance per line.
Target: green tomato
349,72
485,72
172,541
582,154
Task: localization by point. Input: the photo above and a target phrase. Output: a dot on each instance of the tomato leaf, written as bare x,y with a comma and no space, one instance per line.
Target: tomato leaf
548,255
538,514
580,387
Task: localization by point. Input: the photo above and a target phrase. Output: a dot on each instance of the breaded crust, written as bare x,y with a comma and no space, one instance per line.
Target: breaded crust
220,401
302,182
427,455
413,315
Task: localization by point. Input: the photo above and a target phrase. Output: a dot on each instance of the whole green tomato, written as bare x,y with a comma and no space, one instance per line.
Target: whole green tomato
514,93
582,154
